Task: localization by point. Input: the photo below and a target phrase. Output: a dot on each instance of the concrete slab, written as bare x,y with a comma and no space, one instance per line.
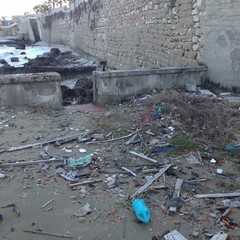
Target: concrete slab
32,89
114,86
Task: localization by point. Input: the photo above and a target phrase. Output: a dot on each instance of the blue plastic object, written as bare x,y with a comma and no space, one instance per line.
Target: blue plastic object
141,210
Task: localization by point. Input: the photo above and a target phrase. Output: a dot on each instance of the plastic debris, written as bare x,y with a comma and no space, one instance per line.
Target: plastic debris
163,149
219,171
111,181
74,162
213,161
83,211
232,148
2,175
230,203
82,150
1,217
141,210
71,176
220,236
173,235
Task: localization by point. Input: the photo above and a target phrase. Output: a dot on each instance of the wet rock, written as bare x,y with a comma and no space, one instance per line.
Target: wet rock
4,62
14,59
20,45
55,51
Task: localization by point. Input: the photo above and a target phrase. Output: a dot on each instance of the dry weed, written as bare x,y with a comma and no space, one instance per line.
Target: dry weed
209,121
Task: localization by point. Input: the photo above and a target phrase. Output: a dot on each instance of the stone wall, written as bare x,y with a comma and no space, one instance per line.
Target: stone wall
221,50
130,33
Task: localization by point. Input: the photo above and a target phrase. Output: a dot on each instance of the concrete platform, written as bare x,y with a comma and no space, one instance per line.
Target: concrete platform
31,89
114,86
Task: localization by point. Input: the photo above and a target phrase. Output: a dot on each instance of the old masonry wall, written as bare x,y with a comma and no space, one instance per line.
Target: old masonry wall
152,34
130,33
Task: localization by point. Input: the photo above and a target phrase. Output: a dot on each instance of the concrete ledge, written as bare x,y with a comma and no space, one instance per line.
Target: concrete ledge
32,89
114,86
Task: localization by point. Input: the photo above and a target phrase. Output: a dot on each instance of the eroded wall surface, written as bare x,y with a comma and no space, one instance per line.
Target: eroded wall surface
130,33
222,42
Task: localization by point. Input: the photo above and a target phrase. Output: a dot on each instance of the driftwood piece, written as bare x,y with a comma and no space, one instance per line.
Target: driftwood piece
218,195
156,176
143,156
19,164
43,206
59,140
48,233
128,170
176,194
85,182
115,139
147,171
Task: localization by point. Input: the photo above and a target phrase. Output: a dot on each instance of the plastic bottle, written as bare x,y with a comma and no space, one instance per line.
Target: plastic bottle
141,210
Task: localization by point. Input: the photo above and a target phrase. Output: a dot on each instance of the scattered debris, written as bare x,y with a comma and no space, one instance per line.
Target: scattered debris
47,203
82,212
131,172
2,175
220,236
218,195
25,163
176,194
39,231
173,235
82,161
111,181
85,183
15,209
143,156
156,176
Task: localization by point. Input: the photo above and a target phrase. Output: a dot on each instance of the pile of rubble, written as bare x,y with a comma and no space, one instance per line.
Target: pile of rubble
160,166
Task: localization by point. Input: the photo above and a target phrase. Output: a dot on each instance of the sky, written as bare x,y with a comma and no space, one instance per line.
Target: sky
17,7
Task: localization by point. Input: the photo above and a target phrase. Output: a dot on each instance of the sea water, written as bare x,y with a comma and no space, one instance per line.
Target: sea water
7,52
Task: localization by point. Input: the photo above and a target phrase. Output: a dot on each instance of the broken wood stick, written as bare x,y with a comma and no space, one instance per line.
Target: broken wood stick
176,194
85,182
126,169
17,164
153,170
114,139
156,176
224,214
197,180
48,233
218,195
141,155
59,140
43,206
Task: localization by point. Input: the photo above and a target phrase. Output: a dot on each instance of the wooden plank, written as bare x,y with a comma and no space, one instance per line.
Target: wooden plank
220,236
48,233
156,176
19,164
85,182
218,195
143,156
59,140
177,191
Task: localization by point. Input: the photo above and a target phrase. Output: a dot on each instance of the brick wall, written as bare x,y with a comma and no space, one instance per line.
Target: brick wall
130,33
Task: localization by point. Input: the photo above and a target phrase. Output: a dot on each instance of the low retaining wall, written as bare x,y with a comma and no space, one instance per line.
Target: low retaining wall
114,86
33,89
